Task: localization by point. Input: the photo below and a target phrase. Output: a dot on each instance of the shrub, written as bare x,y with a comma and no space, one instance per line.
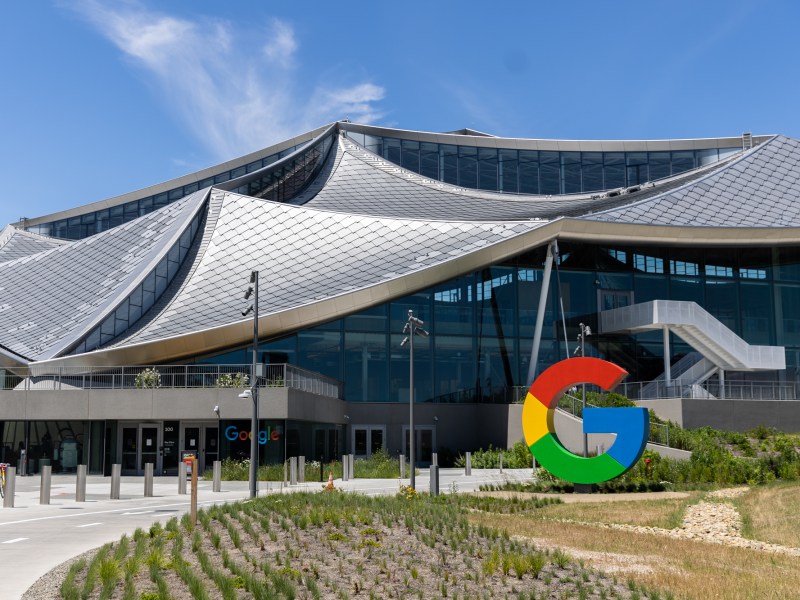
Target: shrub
233,380
149,378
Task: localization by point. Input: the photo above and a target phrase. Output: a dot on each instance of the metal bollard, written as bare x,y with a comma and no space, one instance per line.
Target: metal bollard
148,480
434,486
435,459
468,465
23,463
80,484
402,466
44,486
11,484
181,478
352,469
216,485
193,497
116,476
345,468
301,469
293,470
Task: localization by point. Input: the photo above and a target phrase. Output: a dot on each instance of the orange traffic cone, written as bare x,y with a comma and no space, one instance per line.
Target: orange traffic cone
330,487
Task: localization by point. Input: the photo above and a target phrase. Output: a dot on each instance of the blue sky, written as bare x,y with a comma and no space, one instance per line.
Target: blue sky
100,98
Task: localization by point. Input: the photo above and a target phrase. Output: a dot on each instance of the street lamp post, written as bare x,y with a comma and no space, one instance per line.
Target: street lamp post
253,391
585,332
412,327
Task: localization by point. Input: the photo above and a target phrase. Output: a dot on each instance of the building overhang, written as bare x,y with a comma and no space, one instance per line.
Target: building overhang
305,315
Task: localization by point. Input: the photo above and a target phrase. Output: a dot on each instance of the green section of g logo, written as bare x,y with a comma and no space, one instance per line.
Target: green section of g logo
630,424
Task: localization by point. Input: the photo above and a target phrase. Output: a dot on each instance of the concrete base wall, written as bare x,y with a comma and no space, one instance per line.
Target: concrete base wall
728,415
167,404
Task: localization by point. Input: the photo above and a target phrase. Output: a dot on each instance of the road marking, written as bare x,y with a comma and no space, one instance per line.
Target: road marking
14,541
115,510
88,525
141,512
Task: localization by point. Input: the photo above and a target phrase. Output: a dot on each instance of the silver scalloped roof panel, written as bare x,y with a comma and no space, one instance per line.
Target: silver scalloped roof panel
50,298
760,189
306,255
357,181
16,243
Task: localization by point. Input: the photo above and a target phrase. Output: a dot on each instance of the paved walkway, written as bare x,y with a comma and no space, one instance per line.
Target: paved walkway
35,538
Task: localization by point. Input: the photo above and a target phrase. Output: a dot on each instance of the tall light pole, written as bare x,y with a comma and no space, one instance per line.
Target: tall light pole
585,332
412,327
253,391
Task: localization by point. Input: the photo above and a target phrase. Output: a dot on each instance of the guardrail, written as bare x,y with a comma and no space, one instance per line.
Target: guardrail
174,377
659,432
712,390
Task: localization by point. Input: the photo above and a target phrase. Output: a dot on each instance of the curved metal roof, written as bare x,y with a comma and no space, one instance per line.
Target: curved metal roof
16,243
51,298
365,232
759,189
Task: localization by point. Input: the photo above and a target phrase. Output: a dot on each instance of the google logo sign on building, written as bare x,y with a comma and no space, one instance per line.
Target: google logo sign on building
631,425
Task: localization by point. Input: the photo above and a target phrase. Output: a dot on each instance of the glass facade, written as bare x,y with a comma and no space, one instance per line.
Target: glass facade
482,324
82,226
535,171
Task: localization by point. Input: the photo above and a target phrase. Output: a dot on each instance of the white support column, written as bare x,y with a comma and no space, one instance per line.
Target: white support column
537,334
721,383
667,360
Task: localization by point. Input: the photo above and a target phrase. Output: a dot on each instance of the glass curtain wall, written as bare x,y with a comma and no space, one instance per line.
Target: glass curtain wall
482,324
536,171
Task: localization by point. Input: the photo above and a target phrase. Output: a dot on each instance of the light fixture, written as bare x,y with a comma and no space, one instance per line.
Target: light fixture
216,409
246,394
412,327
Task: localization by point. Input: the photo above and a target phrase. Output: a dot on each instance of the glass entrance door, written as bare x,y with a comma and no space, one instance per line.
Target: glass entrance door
367,439
202,441
140,445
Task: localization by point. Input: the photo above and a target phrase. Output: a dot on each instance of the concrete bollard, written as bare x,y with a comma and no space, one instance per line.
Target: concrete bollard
468,465
345,468
301,469
434,486
402,466
148,480
216,485
181,478
11,484
352,469
44,486
80,484
116,476
435,459
293,470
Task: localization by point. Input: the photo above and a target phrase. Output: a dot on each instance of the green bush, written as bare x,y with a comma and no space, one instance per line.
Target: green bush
516,457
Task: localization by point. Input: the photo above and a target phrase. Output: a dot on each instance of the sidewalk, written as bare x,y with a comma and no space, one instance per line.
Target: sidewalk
35,538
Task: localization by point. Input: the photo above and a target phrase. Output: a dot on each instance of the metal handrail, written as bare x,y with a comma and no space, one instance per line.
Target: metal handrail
712,390
173,377
659,432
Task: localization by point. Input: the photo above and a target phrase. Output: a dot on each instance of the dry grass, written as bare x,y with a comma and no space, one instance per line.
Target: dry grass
647,513
686,568
770,514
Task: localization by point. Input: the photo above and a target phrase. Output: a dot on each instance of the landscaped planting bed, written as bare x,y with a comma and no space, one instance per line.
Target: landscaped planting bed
336,545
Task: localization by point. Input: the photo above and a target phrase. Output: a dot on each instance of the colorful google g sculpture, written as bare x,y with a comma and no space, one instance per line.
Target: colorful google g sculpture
631,425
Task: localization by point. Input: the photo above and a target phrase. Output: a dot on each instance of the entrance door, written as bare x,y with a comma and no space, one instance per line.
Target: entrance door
140,445
201,440
423,449
368,439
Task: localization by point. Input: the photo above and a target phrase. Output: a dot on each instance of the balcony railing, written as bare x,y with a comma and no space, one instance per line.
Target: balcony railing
712,390
174,377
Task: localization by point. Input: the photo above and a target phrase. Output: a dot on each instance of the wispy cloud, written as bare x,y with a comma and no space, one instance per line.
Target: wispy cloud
234,99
